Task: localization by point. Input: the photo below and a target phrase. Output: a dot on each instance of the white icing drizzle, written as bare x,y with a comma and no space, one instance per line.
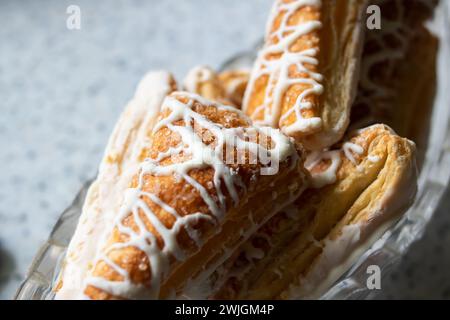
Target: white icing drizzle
331,257
374,158
350,147
328,176
397,29
195,76
277,70
393,31
251,252
202,287
233,84
120,162
201,156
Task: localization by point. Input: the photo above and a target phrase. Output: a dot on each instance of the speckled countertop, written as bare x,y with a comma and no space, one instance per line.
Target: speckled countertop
61,92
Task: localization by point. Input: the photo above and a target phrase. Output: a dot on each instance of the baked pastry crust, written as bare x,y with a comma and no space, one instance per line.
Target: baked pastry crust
363,186
235,83
304,79
204,81
120,162
179,216
387,92
193,200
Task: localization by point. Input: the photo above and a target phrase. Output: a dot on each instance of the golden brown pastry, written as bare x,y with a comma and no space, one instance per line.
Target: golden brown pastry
203,184
304,79
204,81
361,187
196,200
120,162
235,83
398,71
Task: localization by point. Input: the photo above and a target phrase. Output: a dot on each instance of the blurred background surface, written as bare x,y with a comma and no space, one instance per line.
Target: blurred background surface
62,90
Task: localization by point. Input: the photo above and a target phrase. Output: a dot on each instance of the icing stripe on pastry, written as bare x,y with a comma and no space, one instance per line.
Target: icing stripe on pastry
304,79
120,162
235,82
205,82
279,67
402,47
273,262
185,199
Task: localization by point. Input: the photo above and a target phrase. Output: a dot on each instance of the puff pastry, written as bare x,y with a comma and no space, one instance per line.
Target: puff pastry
201,174
387,93
361,187
120,162
235,83
304,79
197,199
203,80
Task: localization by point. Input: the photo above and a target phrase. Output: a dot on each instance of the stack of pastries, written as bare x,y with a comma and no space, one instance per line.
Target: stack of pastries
264,183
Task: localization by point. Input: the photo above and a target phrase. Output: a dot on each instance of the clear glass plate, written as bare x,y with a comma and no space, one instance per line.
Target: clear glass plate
385,253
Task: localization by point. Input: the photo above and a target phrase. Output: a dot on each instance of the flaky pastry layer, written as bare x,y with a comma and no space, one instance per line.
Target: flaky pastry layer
204,81
235,83
304,79
120,161
199,174
388,93
374,182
